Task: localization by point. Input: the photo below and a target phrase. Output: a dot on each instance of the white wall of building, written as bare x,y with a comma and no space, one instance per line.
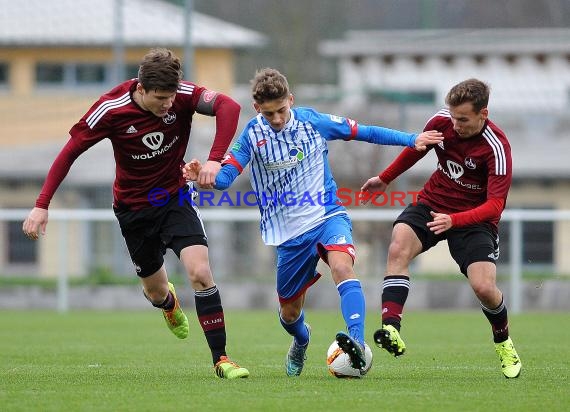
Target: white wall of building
528,82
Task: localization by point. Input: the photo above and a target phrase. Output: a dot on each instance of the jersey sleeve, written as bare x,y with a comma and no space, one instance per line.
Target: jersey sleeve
234,162
407,158
499,166
84,134
93,127
488,211
330,126
333,127
57,172
224,108
385,136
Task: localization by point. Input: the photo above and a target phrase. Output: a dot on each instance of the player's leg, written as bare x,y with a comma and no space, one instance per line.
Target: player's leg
209,309
482,279
296,272
336,248
352,301
292,318
161,294
478,249
183,231
146,251
410,236
352,304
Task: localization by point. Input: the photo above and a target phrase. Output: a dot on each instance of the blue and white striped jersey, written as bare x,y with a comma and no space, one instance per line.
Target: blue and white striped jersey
290,172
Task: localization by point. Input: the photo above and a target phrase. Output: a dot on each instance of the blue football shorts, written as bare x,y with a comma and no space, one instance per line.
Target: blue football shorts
297,258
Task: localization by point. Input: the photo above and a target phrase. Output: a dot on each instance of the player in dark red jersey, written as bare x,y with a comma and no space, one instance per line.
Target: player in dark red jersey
461,202
148,122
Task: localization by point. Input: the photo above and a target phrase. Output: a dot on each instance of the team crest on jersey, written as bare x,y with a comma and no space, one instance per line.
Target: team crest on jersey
455,169
297,152
153,140
470,163
169,118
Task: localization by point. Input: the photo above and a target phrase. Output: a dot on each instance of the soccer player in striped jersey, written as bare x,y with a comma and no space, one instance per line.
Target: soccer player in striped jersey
300,212
148,122
462,203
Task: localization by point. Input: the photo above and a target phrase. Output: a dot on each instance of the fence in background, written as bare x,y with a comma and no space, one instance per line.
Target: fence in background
515,217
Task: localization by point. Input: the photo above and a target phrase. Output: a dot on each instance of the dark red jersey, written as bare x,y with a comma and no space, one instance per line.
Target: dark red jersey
469,171
148,150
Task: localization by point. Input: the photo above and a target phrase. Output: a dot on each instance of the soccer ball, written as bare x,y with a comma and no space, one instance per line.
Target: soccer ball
339,365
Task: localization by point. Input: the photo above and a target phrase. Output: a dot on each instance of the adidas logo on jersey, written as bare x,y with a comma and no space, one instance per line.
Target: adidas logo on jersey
132,130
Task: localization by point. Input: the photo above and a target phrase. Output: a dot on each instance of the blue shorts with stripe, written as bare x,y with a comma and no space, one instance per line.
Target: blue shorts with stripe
298,257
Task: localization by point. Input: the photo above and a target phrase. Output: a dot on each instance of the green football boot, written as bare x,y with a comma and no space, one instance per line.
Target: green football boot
510,362
389,338
175,319
226,369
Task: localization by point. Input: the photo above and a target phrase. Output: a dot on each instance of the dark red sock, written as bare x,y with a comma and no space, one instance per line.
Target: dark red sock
395,290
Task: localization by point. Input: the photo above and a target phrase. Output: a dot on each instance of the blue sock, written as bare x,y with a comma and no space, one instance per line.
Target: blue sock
353,307
297,329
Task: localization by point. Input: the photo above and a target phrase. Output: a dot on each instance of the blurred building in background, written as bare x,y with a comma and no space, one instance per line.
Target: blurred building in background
57,57
529,74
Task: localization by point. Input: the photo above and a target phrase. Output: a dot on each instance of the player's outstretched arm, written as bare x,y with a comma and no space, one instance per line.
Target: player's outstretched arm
35,223
427,138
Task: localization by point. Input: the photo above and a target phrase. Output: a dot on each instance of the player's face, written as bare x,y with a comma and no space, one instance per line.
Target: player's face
466,122
276,112
158,102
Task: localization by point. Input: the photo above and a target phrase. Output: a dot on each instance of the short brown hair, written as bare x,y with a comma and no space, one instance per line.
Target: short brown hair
472,90
160,70
269,84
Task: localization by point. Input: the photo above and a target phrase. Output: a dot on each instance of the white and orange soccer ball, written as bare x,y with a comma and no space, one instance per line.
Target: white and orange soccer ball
338,362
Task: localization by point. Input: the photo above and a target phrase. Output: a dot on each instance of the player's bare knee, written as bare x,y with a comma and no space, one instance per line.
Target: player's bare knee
400,253
341,272
200,277
157,294
485,290
289,314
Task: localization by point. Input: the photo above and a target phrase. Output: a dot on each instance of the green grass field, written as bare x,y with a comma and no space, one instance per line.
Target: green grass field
129,361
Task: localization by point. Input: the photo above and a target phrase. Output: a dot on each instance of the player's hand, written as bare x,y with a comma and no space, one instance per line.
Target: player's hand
427,138
35,223
373,187
440,223
207,176
191,170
